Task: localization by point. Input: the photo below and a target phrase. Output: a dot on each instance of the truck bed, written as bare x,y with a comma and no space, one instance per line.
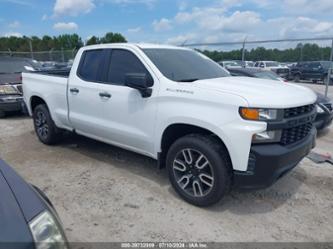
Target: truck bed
56,72
51,86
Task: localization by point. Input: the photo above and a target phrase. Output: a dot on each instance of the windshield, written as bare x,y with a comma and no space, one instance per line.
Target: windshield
184,65
267,75
327,64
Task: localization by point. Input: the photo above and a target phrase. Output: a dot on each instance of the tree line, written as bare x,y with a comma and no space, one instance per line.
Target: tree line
46,43
302,52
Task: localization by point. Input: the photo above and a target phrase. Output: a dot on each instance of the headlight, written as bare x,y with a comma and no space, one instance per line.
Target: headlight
267,137
8,89
319,109
47,232
258,114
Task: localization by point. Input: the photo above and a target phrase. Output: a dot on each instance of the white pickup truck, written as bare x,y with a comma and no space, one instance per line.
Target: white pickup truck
173,104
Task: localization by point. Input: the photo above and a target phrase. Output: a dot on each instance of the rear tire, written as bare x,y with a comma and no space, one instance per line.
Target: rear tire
45,128
199,169
2,114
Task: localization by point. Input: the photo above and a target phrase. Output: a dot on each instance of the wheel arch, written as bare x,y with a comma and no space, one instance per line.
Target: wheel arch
177,130
36,100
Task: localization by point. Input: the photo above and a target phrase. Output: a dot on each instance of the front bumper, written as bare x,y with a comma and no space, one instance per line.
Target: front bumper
268,163
323,120
11,104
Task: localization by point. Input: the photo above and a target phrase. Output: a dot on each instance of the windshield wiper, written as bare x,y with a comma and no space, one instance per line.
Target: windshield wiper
187,80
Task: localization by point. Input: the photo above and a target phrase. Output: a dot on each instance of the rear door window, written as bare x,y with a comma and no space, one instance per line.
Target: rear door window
91,65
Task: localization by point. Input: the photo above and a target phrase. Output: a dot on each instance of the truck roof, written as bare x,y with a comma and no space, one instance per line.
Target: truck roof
131,45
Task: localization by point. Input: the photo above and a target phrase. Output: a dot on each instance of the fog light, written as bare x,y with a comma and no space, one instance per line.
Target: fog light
267,137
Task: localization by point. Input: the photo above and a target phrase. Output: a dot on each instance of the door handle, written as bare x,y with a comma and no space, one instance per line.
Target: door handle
74,90
105,95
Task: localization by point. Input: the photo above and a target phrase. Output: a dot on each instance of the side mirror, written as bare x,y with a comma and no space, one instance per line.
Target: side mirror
140,82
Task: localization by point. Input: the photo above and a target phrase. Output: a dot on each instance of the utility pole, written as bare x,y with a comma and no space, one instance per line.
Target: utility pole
73,53
50,54
31,50
329,71
243,53
62,54
300,46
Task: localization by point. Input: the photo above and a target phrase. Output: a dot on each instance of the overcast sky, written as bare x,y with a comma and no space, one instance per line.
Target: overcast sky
169,21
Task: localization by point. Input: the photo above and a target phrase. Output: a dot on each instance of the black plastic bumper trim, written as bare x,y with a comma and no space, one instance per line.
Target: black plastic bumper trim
292,122
12,106
272,162
323,120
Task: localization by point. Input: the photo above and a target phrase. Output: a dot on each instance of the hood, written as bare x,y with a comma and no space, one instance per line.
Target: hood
13,225
261,92
29,201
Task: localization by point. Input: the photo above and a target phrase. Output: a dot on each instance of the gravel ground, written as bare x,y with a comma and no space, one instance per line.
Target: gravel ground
103,193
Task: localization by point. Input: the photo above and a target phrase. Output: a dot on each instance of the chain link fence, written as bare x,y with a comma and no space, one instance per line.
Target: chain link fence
43,56
288,52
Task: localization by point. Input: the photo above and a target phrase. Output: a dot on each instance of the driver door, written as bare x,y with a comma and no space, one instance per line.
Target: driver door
129,117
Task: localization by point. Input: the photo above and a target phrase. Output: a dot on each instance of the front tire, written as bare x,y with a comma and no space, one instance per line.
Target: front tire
46,130
199,169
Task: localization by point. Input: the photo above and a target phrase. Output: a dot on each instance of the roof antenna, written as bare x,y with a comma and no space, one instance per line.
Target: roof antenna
183,44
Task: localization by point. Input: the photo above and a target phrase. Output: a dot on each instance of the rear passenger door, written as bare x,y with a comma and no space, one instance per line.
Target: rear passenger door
83,92
315,70
306,71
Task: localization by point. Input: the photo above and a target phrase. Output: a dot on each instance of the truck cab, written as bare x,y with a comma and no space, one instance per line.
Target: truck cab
210,130
312,70
276,67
